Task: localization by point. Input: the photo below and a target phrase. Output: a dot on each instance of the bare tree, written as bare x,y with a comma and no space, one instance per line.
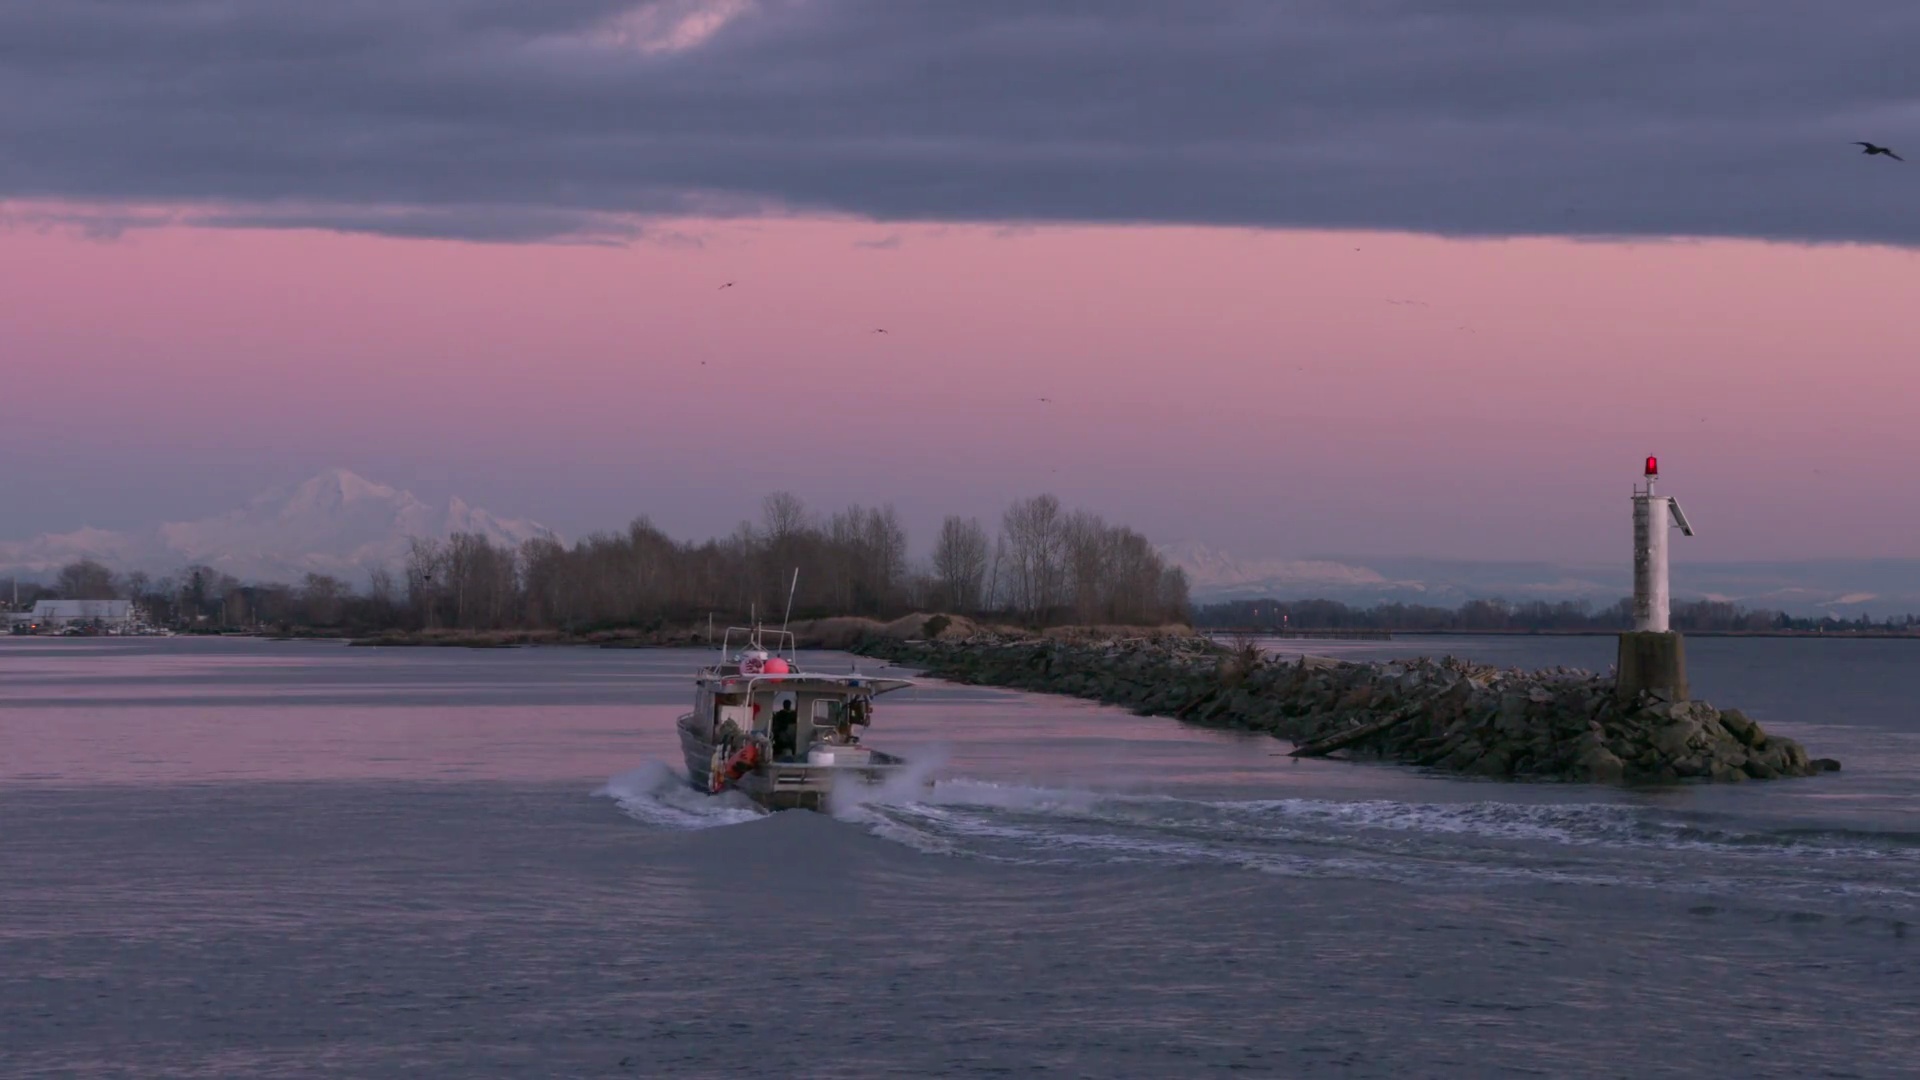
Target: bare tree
324,599
85,580
999,587
547,582
1084,543
783,516
158,601
1046,564
922,590
1034,535
960,563
1175,603
1136,581
481,581
380,587
426,578
866,556
237,608
884,544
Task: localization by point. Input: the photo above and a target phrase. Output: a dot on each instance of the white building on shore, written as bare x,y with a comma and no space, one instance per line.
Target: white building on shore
108,614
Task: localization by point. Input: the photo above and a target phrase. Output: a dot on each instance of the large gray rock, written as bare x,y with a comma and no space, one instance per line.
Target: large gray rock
1741,728
1598,765
1446,714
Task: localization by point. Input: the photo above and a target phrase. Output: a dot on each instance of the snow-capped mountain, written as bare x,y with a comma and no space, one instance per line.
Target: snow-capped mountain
1843,587
1216,575
336,523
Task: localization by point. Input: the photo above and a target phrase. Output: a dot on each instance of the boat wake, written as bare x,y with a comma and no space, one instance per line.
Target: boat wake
911,783
1486,843
658,795
1483,843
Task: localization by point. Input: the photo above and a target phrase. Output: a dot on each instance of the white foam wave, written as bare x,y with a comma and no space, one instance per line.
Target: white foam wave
1487,842
906,786
1040,826
1577,825
963,792
1560,823
658,795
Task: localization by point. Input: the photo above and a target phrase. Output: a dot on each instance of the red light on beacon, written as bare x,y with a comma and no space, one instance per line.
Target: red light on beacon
1653,466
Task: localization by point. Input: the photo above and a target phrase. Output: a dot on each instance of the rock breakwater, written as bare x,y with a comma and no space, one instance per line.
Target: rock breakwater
1556,724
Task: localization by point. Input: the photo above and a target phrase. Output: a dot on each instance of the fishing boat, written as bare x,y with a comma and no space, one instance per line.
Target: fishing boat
783,737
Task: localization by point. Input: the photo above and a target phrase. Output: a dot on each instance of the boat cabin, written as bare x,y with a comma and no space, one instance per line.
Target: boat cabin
801,716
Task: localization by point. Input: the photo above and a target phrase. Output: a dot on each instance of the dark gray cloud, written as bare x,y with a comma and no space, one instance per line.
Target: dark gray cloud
528,119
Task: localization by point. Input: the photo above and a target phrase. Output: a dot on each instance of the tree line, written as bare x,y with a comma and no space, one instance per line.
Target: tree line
1043,565
1499,615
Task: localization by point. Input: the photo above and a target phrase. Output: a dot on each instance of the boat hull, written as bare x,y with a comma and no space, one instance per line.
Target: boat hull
785,785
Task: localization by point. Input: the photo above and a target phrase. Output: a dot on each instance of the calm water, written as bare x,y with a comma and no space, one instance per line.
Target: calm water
226,857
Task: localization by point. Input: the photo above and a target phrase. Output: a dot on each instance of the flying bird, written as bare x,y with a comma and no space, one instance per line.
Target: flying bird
1872,149
879,331
1048,400
728,285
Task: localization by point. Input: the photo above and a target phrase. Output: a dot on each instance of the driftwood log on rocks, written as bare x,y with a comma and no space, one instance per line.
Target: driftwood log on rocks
1449,714
1344,739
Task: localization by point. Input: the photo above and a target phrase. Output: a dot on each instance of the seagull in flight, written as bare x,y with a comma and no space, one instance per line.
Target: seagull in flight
879,331
1048,400
728,285
1872,149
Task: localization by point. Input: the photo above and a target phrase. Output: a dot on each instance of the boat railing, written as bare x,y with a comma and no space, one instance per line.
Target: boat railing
784,644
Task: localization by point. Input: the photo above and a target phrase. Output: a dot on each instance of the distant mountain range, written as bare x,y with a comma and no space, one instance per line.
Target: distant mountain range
1843,587
336,523
343,524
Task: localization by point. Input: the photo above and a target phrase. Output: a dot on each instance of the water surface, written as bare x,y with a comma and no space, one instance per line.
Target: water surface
234,857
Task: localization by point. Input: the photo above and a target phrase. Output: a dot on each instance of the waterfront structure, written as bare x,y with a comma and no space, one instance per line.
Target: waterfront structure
57,615
1652,657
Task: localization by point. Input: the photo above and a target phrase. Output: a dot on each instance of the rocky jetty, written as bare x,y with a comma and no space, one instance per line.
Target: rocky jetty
1557,724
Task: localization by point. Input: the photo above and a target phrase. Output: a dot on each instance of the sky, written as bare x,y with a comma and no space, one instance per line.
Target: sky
1345,278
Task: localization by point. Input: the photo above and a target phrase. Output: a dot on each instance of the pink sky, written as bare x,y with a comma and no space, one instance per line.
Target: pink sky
1255,390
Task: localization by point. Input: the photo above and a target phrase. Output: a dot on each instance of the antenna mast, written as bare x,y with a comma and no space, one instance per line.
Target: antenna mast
791,589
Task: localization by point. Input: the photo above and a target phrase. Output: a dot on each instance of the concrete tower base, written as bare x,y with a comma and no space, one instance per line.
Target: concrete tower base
1652,660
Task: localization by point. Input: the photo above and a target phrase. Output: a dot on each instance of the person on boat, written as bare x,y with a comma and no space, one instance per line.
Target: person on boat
786,730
